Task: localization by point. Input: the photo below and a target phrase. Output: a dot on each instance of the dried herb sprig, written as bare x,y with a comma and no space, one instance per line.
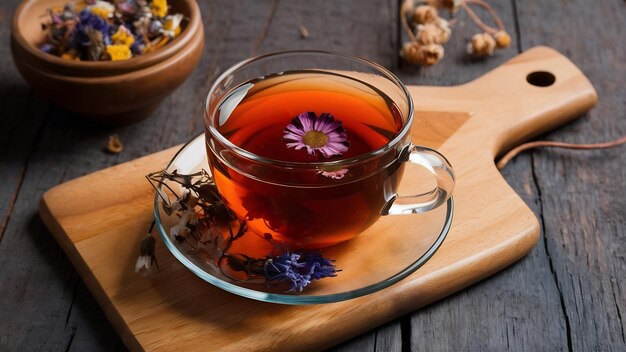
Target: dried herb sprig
208,228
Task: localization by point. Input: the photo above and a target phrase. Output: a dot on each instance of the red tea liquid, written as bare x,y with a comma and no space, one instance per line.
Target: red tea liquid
312,210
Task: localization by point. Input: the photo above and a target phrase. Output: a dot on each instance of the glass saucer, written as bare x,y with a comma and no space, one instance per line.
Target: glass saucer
387,252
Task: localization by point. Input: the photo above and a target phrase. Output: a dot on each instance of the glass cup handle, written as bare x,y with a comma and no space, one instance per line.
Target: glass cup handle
439,166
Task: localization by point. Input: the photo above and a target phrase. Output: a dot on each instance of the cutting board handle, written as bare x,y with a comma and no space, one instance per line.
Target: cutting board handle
532,93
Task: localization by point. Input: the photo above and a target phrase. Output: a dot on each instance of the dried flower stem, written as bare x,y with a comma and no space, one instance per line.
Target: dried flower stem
538,144
243,227
404,9
490,10
477,19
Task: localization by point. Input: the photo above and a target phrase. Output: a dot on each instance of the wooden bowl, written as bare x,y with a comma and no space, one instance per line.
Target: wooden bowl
110,92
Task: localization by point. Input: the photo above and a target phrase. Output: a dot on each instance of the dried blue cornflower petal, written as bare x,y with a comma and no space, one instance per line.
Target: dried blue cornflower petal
317,266
47,48
297,270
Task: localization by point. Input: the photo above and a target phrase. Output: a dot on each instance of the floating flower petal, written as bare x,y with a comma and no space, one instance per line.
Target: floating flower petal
334,174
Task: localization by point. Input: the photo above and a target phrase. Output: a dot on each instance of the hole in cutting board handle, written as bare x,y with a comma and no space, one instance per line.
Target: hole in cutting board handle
541,78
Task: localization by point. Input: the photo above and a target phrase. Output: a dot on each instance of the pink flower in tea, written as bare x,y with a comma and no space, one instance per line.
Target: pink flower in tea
323,134
336,174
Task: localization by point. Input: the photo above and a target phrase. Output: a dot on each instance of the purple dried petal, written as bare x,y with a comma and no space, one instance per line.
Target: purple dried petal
297,270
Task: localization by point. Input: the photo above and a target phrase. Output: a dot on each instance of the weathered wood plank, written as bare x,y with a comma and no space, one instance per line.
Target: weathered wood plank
582,193
50,307
515,309
22,115
520,308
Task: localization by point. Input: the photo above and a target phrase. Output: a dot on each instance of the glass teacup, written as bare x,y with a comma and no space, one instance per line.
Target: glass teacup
350,121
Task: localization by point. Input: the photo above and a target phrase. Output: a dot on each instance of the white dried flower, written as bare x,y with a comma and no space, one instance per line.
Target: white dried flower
172,25
143,265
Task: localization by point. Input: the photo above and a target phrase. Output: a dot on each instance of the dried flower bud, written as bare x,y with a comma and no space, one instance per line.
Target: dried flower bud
481,45
423,55
503,39
445,30
425,14
425,35
409,52
431,54
437,32
143,265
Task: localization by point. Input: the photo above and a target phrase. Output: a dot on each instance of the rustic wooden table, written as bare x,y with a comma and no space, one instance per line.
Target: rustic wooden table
568,294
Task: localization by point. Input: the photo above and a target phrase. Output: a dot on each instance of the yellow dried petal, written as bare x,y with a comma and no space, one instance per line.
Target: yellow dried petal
119,52
123,37
161,42
70,56
159,8
101,12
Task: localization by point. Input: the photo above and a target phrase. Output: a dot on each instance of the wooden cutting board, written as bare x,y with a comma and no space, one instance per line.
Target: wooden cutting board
99,220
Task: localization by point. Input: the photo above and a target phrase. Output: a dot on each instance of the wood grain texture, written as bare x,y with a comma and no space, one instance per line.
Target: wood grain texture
156,314
519,309
22,117
583,209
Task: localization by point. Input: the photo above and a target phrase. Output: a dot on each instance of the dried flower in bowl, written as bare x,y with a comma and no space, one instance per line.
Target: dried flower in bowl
98,30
